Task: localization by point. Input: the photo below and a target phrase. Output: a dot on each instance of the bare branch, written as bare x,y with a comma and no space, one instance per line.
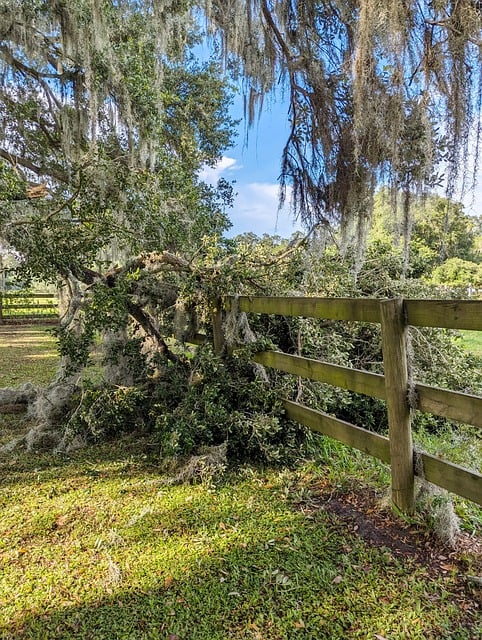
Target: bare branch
33,73
147,323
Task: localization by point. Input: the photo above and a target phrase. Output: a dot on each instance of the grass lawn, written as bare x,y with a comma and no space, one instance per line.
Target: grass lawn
97,545
472,341
27,352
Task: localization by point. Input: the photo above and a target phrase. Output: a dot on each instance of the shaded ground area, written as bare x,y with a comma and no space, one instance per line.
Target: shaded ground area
363,513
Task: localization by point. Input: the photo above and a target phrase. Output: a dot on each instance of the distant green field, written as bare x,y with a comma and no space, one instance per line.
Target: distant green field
472,341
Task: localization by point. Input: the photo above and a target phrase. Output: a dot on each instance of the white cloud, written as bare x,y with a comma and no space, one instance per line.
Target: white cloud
256,203
211,175
256,210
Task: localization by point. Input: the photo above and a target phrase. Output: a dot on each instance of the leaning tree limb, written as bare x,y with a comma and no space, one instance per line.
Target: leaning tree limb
147,323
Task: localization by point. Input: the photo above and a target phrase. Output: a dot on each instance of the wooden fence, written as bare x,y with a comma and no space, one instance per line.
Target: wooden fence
395,316
19,306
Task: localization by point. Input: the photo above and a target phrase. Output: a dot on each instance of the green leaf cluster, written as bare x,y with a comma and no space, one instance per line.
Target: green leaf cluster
224,401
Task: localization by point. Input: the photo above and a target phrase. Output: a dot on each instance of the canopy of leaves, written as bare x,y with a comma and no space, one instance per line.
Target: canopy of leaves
106,122
376,90
456,272
440,230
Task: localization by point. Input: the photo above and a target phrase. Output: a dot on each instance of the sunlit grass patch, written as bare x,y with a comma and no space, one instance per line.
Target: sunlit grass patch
97,545
472,341
49,355
27,353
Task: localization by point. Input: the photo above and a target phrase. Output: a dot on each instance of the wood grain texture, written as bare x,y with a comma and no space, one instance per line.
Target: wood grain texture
452,477
447,314
449,404
361,309
370,384
394,345
450,314
362,439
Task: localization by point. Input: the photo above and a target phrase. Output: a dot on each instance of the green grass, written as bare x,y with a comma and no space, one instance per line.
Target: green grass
96,545
27,353
472,341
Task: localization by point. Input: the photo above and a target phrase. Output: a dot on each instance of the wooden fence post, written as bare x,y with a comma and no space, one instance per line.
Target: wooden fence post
218,332
394,342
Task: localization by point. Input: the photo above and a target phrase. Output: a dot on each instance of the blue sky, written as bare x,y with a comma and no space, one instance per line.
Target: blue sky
254,166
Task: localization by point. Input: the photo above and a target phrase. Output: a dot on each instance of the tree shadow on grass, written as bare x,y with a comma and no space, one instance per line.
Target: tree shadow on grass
241,566
128,454
293,576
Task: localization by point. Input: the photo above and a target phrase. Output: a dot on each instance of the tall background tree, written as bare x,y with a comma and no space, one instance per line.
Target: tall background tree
104,130
378,92
106,120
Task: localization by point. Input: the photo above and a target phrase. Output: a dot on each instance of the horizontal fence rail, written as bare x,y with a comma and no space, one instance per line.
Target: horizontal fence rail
372,443
359,309
395,317
18,306
454,405
445,474
445,314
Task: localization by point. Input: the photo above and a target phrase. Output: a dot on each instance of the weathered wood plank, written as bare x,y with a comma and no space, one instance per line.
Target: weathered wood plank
449,314
454,314
360,309
370,384
452,477
454,405
29,306
450,404
394,345
372,443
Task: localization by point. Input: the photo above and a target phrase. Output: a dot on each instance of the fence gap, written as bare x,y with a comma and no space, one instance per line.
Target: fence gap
395,363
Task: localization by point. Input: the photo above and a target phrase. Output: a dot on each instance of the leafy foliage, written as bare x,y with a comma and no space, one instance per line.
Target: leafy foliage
225,401
104,412
440,230
104,133
378,93
456,272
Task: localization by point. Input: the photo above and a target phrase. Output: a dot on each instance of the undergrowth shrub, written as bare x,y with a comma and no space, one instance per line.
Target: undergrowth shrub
192,404
105,411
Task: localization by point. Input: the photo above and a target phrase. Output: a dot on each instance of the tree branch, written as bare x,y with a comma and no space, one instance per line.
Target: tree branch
15,160
33,73
147,323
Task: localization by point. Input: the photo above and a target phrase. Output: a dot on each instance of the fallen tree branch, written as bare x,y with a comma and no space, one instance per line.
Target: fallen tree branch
147,323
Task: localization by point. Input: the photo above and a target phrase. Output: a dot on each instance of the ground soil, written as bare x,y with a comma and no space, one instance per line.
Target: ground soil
370,516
